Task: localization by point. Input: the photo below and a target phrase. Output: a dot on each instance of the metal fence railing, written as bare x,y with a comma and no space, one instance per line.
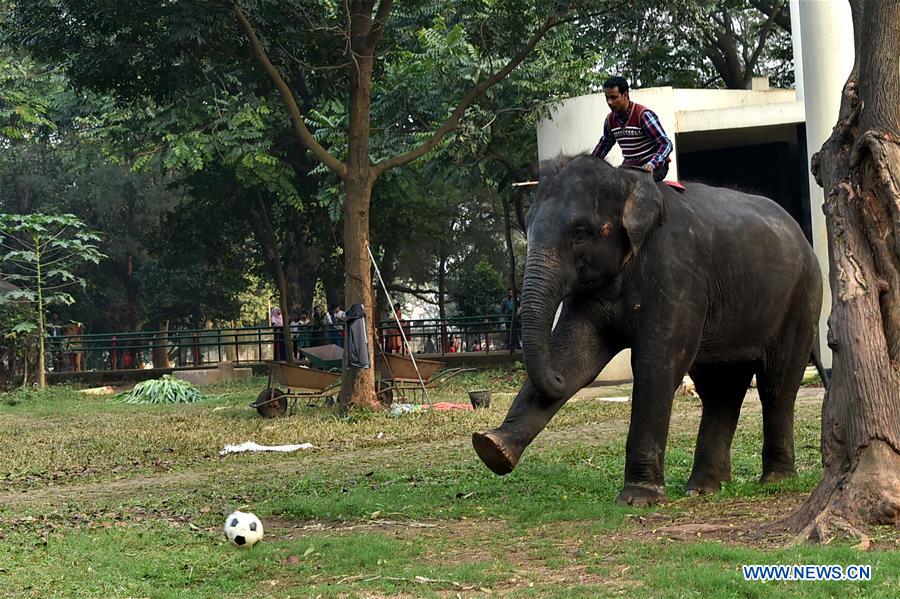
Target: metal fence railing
198,347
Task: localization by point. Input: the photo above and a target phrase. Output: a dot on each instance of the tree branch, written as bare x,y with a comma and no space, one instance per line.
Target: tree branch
419,293
473,94
380,23
763,36
768,8
515,171
287,97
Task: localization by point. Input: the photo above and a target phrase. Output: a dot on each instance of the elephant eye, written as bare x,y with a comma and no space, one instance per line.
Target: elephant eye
581,234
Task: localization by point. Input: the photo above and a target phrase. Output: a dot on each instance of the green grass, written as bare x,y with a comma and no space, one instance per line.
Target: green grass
111,500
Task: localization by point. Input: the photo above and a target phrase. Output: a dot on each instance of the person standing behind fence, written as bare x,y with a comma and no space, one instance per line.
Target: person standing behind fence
318,326
394,338
332,327
508,310
277,322
294,327
304,336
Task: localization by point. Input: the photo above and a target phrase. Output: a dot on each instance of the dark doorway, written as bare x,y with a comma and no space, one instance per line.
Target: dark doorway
776,170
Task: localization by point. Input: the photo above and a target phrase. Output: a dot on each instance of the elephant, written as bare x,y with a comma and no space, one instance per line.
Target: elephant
713,282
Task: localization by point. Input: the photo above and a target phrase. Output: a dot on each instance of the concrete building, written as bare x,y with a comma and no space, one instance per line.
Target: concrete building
759,140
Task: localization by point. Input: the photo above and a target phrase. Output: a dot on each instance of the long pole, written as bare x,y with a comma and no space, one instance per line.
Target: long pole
399,326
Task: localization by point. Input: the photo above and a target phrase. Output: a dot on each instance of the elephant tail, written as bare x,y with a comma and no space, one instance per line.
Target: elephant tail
817,360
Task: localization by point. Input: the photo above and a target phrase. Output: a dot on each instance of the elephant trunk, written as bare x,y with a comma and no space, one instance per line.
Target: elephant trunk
544,287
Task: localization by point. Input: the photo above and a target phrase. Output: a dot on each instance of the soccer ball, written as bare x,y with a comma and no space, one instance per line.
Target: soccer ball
243,529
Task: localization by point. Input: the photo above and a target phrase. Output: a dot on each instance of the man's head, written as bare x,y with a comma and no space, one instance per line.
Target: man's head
509,292
616,91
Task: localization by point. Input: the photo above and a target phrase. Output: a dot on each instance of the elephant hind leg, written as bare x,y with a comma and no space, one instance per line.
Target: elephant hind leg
722,388
778,394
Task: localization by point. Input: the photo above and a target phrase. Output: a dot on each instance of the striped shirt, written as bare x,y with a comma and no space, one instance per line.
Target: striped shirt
639,134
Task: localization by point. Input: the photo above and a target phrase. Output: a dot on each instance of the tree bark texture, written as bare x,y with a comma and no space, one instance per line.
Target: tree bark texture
859,169
358,385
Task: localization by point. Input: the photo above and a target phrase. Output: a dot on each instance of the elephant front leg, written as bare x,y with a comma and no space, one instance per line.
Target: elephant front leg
580,355
656,377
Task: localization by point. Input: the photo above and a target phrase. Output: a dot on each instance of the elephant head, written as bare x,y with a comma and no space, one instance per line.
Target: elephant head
588,221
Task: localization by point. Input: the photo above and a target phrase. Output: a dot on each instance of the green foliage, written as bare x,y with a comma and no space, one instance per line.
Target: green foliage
41,255
477,290
167,389
681,42
25,96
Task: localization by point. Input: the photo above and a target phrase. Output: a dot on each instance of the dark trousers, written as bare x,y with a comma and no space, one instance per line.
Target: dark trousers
660,173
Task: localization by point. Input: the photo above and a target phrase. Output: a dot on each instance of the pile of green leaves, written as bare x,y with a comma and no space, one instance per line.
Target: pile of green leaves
167,389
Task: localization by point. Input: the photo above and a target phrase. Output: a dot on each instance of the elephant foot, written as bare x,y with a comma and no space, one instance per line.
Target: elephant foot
495,454
642,495
774,476
703,485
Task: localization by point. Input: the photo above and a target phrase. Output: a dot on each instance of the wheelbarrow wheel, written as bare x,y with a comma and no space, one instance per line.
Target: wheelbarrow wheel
270,403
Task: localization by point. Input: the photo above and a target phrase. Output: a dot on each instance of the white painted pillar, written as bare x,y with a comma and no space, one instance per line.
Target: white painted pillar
798,47
826,36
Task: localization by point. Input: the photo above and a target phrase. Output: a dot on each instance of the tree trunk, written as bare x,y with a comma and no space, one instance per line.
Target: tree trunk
42,322
507,226
859,168
442,299
41,365
161,347
358,385
510,251
270,242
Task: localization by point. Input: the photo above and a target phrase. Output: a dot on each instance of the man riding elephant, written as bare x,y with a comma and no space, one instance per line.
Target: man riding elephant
636,129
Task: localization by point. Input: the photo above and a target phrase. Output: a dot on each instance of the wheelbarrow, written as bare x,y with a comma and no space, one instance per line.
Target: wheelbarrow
325,357
299,383
396,373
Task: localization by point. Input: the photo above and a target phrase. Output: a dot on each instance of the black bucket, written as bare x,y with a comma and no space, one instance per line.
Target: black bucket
480,398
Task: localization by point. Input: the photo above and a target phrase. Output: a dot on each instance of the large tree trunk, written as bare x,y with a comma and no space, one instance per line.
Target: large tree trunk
859,168
358,385
270,243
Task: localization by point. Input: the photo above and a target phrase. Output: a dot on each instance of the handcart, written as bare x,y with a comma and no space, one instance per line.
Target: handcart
395,373
325,357
299,383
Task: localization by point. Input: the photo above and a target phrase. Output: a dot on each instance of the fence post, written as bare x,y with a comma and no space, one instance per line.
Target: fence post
114,355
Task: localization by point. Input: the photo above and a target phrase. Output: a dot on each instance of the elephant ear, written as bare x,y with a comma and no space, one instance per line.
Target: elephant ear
644,211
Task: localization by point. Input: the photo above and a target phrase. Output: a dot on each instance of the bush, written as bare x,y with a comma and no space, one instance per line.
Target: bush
167,389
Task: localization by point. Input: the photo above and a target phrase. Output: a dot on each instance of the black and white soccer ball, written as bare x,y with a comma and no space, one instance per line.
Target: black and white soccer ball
243,529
